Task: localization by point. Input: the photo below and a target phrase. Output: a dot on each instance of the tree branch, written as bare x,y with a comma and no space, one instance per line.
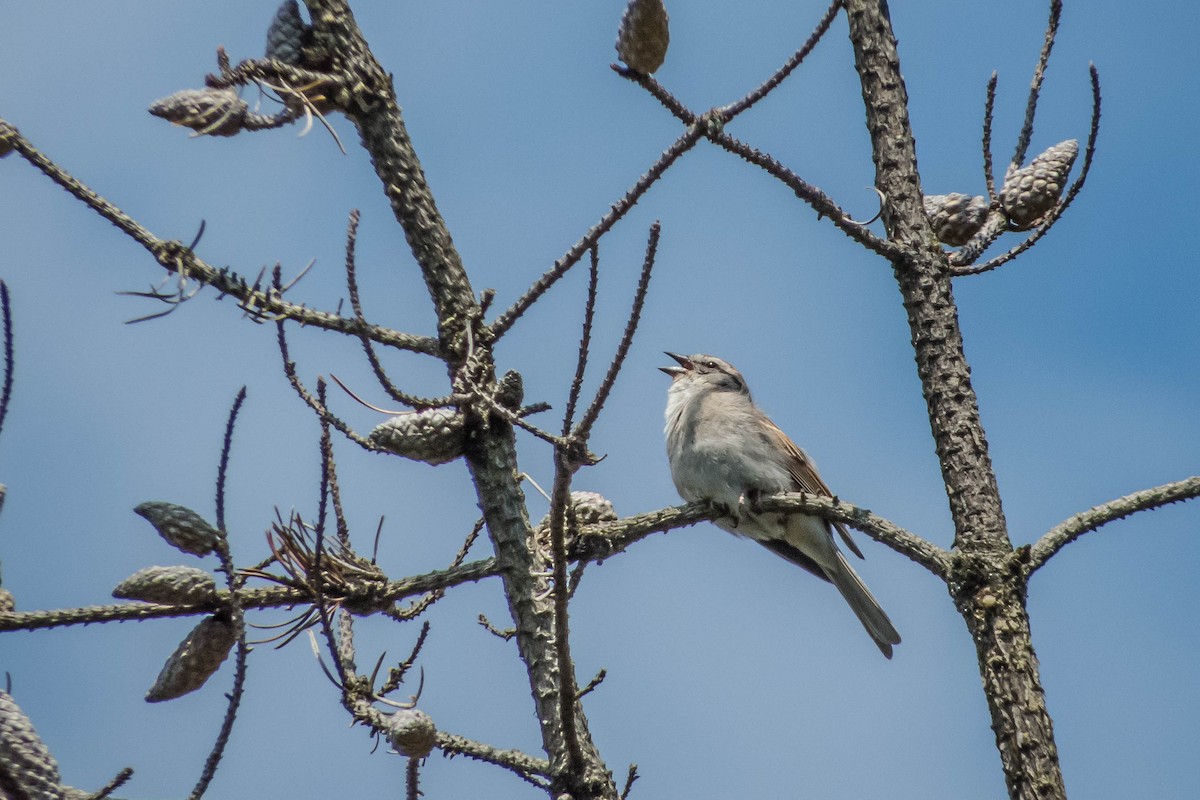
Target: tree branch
523,764
178,259
1072,528
619,209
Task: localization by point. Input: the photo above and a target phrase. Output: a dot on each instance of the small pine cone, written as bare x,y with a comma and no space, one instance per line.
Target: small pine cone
955,217
168,585
435,436
591,507
214,112
26,764
643,36
180,526
7,603
287,34
510,390
195,660
411,732
1031,191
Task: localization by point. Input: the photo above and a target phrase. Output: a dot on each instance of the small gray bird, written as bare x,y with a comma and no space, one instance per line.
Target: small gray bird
722,449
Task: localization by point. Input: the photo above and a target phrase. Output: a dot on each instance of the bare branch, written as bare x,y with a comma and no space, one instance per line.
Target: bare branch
820,202
659,93
356,306
635,314
523,765
236,612
176,258
989,108
119,780
585,342
412,784
9,359
1072,528
733,109
323,413
619,209
1035,85
630,777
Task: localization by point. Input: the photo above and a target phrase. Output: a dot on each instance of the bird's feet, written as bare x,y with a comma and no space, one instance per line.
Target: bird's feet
751,500
727,512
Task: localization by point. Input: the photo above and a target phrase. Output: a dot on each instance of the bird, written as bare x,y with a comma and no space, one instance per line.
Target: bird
725,451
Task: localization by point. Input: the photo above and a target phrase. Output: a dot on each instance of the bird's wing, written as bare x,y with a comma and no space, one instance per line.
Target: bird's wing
804,476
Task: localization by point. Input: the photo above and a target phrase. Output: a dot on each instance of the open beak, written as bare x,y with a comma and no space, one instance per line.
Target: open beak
685,365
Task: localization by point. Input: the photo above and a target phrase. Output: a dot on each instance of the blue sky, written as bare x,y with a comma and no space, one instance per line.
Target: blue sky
730,672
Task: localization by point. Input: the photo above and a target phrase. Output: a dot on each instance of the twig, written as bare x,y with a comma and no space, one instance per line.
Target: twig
635,314
329,479
9,358
396,674
323,413
820,202
412,784
506,634
119,780
989,108
1035,85
235,609
585,341
593,683
1072,528
734,109
619,209
659,93
523,765
629,779
356,306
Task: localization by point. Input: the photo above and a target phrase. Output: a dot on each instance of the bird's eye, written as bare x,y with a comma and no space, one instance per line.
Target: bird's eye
710,365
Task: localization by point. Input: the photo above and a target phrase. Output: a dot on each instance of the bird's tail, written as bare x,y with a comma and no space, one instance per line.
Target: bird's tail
864,605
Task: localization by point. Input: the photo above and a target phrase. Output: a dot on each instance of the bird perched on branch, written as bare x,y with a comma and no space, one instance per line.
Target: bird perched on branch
724,450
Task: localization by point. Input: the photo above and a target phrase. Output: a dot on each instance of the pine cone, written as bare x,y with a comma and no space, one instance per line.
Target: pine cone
195,660
168,585
180,526
1031,191
213,112
434,436
287,34
955,217
26,764
510,390
411,732
643,36
592,507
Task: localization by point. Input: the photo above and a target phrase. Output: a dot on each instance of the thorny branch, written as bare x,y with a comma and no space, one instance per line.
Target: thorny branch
176,258
596,542
619,209
1072,528
235,608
